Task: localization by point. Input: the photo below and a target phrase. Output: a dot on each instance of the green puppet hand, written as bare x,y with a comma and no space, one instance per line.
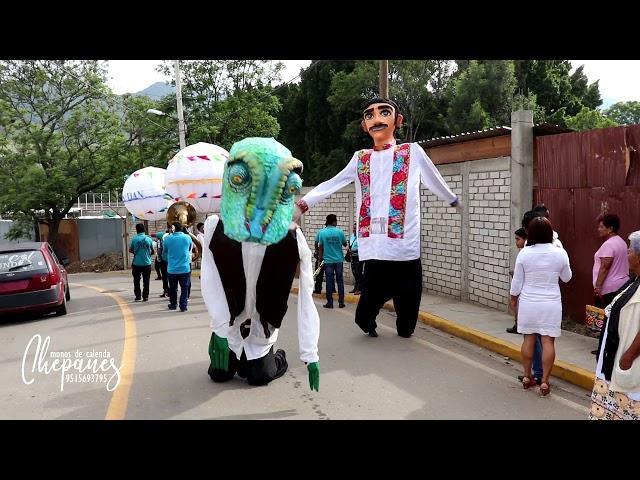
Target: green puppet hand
314,375
219,352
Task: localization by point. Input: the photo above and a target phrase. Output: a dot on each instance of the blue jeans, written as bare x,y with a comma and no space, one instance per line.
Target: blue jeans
184,279
331,269
537,358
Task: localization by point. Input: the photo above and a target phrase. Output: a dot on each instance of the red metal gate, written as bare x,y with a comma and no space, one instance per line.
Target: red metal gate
579,176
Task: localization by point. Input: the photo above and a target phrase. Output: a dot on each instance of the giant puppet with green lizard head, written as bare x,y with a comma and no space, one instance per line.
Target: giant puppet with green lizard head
251,254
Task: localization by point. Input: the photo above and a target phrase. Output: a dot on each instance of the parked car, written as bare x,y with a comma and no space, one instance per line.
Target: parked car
32,279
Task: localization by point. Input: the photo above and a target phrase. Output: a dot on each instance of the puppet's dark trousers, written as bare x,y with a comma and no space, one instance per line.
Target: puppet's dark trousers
259,371
384,280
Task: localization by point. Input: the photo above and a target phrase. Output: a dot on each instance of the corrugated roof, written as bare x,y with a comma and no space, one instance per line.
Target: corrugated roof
549,129
464,137
538,130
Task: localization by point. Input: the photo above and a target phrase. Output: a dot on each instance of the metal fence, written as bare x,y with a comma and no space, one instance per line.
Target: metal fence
96,201
581,175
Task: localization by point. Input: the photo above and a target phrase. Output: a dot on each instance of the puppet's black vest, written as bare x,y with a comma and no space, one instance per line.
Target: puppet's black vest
274,281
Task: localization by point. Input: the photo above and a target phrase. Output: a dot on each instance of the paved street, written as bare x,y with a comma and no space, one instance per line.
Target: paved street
163,374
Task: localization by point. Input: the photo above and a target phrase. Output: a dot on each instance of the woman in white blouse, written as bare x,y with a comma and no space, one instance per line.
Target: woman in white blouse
535,287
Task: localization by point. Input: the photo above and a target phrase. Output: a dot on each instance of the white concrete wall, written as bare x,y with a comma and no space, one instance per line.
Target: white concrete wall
464,257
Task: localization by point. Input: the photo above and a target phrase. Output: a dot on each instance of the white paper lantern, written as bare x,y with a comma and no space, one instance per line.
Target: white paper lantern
194,175
144,194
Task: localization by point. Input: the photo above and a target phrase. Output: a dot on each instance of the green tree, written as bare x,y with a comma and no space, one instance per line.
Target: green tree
291,119
324,124
227,100
154,139
589,119
624,113
61,138
480,95
558,92
584,93
418,86
243,114
321,117
311,127
529,102
348,91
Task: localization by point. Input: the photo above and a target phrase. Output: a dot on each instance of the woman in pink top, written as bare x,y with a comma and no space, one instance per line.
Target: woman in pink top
610,263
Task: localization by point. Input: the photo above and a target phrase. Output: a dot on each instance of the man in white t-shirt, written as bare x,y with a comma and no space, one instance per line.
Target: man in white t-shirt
387,180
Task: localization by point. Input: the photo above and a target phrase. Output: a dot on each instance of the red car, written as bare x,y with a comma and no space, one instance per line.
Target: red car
32,279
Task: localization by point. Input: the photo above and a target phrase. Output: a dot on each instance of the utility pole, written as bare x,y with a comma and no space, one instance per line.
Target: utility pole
141,150
181,129
384,79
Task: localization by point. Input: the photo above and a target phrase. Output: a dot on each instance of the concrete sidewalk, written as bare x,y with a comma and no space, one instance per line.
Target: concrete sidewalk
486,327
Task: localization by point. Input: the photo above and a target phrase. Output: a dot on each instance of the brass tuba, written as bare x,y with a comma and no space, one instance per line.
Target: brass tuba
184,213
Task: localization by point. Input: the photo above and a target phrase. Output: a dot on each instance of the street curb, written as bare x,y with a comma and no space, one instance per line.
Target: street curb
566,371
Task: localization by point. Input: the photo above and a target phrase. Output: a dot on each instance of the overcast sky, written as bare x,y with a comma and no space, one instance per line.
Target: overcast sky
130,76
619,79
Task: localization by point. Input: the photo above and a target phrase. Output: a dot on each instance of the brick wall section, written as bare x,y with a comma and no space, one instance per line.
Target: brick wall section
485,277
441,241
489,237
342,204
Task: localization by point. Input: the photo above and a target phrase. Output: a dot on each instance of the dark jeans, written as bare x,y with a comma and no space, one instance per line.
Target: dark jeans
165,277
319,278
356,269
185,280
334,269
259,371
384,280
158,266
537,358
137,271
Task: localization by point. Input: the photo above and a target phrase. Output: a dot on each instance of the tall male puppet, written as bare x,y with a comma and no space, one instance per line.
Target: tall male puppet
387,180
249,263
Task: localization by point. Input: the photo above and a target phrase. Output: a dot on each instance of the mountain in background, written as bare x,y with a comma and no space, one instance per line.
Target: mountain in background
157,90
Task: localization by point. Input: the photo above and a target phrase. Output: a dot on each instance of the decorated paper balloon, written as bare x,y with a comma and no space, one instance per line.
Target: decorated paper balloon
194,175
144,194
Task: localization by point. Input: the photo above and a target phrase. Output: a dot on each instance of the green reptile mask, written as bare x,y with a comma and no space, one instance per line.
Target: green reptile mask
259,184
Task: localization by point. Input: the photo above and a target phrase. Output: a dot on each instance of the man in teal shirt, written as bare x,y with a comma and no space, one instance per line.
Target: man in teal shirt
331,240
142,249
320,276
177,248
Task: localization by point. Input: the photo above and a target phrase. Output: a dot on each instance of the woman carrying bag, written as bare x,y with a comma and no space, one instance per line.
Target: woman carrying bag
610,264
